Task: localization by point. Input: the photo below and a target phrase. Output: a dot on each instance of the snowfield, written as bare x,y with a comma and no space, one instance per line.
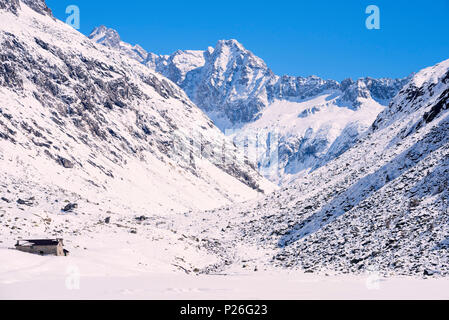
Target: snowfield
87,154
308,134
90,121
89,276
314,120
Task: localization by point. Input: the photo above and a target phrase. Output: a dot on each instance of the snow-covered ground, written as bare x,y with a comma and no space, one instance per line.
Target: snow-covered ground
122,131
109,276
149,225
306,133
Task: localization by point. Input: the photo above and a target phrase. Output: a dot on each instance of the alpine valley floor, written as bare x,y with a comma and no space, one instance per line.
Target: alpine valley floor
25,278
113,157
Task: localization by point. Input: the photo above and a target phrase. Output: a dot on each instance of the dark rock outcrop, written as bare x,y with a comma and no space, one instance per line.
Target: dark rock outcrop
10,5
69,207
39,6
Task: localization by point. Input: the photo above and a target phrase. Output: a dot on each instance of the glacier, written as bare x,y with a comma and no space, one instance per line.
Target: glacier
314,119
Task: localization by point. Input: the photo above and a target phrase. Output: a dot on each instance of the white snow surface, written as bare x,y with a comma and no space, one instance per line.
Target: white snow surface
314,120
382,205
106,277
130,144
370,223
308,133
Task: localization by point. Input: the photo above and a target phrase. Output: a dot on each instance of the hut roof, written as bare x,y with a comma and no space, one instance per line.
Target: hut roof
42,242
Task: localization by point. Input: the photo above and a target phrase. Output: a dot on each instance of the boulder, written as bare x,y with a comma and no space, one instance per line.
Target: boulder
69,207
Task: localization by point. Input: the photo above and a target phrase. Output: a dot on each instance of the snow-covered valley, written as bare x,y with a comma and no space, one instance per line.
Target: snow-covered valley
82,277
153,200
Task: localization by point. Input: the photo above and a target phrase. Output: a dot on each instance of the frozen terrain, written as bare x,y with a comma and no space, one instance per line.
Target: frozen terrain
82,277
302,122
98,149
85,119
382,205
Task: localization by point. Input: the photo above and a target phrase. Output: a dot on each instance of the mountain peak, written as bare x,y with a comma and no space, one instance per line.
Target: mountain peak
110,38
232,54
430,86
230,44
106,36
37,5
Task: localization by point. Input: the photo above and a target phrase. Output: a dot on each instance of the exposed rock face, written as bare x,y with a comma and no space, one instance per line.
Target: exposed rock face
381,207
230,82
385,89
86,113
430,83
107,37
178,65
299,88
39,6
27,202
237,90
110,38
70,207
65,163
10,5
353,93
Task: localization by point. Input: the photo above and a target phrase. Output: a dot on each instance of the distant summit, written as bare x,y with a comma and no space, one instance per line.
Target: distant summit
315,119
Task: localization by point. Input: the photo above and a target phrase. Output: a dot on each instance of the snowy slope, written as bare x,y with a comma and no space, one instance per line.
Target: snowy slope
80,117
247,101
307,134
382,206
101,151
82,124
380,209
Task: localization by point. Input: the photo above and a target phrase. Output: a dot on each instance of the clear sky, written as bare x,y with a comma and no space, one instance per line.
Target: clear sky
299,38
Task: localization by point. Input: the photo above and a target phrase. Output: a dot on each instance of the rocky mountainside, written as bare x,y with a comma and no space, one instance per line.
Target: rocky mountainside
84,121
14,6
235,85
115,158
381,207
244,97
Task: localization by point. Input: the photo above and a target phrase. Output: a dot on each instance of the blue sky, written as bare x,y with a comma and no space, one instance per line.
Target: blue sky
300,38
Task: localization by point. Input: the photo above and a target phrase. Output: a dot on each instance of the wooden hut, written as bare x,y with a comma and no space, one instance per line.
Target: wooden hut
42,246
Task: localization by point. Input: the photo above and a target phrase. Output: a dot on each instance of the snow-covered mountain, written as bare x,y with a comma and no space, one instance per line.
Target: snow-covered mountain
14,6
246,100
117,160
83,119
382,207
